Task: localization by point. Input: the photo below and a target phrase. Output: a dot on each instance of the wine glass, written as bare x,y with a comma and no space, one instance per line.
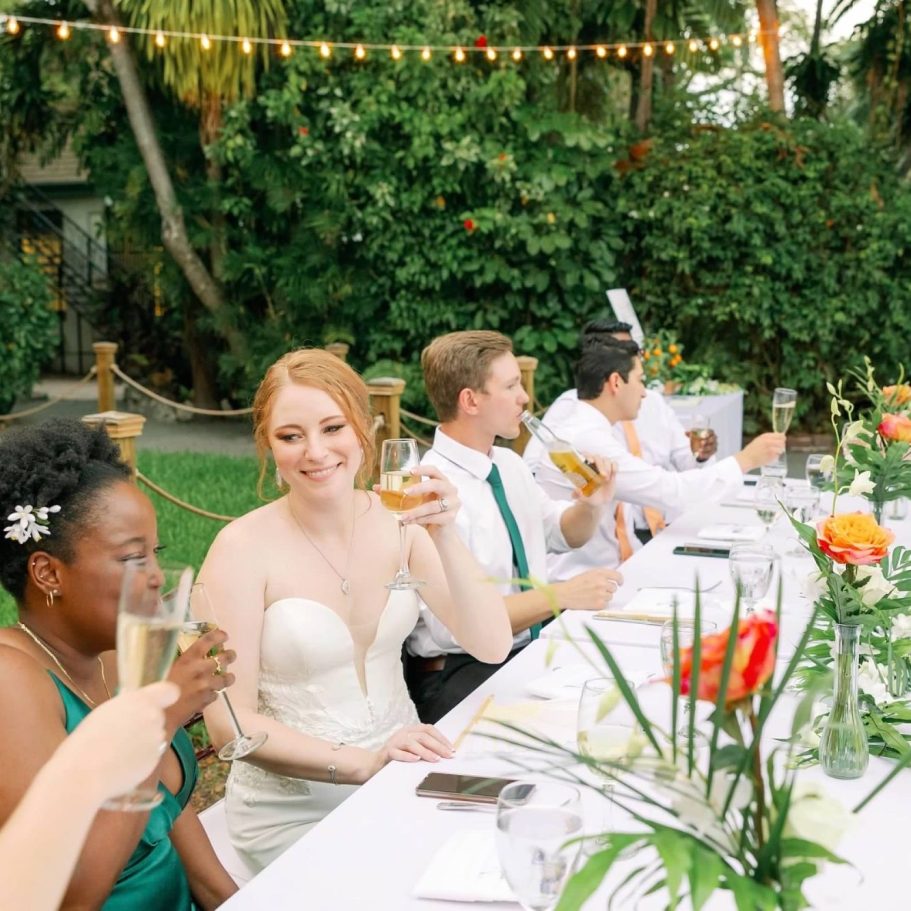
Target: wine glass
803,503
784,401
538,827
766,495
397,459
148,624
686,634
816,477
751,567
202,620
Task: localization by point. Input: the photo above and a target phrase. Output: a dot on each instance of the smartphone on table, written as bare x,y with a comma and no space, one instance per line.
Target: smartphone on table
702,550
470,788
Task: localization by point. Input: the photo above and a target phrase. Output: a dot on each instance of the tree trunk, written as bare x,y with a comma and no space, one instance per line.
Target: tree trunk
205,393
173,229
646,73
774,75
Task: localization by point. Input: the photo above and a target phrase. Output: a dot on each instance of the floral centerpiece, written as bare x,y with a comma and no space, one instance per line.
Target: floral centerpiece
873,455
708,810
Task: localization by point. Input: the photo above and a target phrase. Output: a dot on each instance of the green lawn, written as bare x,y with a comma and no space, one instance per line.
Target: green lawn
220,484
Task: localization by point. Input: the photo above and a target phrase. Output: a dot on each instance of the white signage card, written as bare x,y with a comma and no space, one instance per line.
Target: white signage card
625,312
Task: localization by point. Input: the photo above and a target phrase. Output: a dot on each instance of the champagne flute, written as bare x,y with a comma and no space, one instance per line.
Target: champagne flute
397,459
148,624
751,567
538,824
202,620
784,401
816,477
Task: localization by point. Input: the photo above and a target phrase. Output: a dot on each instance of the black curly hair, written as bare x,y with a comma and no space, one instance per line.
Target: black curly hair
60,462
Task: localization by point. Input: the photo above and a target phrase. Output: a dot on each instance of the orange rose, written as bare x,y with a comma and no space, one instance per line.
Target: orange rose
896,427
853,538
754,659
897,395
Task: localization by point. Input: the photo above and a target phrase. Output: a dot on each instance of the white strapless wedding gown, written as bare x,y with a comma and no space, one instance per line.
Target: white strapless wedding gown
309,681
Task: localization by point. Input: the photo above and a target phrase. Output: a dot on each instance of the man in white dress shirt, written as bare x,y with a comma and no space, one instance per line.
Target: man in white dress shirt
660,436
505,519
610,389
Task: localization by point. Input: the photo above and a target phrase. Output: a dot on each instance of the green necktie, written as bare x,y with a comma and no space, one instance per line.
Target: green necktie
519,560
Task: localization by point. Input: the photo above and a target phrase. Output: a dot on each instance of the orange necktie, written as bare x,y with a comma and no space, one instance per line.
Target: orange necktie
653,517
626,549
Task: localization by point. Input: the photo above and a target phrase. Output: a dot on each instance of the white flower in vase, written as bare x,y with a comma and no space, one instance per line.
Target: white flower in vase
871,678
901,627
816,817
861,485
875,586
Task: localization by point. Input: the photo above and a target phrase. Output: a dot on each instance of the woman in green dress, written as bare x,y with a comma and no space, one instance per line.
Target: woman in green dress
75,521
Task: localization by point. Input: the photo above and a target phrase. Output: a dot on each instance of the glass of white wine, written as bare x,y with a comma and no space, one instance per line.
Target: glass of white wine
784,401
148,624
397,459
202,620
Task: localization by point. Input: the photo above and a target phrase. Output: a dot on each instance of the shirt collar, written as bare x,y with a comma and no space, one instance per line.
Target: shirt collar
468,459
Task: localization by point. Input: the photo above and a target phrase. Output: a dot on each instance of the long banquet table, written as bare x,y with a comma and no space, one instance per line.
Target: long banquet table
370,851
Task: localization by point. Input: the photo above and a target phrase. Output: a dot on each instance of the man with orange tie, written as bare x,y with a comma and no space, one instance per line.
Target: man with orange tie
609,382
505,520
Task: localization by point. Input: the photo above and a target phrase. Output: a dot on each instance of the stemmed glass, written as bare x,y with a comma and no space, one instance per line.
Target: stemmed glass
148,624
803,502
202,620
538,827
766,495
751,567
397,460
784,401
686,635
816,477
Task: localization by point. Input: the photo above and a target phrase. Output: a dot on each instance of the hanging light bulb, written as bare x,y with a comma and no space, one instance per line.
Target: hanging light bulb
205,42
63,31
459,55
601,51
713,44
571,54
517,54
325,51
160,40
669,48
647,50
114,35
285,49
425,54
736,40
12,25
547,53
622,52
693,45
359,52
491,54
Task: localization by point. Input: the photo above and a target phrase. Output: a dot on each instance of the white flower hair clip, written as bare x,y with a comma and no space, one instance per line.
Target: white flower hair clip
29,523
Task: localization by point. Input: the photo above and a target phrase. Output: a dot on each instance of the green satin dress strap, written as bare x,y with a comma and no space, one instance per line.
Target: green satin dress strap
153,878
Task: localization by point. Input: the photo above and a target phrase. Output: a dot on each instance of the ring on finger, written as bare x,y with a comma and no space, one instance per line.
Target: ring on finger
444,505
219,670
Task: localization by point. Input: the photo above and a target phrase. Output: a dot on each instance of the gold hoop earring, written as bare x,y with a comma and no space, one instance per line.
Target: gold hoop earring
49,599
279,480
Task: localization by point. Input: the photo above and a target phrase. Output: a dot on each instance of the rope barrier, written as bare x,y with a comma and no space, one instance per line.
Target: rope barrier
418,418
181,503
379,422
423,440
67,394
208,412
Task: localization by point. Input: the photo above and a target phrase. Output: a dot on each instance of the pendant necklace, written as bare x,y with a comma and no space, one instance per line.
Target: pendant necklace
47,650
345,583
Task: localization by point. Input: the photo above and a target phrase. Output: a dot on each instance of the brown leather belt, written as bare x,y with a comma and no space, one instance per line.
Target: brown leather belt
427,665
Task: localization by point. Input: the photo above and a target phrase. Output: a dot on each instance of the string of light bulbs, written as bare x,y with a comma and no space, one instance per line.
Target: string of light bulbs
621,50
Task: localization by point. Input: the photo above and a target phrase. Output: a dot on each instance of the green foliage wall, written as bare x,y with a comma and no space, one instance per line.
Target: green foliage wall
27,326
781,251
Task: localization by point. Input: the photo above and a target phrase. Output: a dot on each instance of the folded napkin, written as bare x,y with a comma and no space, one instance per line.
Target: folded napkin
730,532
466,869
561,682
658,604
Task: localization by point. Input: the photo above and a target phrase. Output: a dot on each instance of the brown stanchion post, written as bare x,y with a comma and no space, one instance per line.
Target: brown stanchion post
527,367
105,352
123,428
386,399
339,349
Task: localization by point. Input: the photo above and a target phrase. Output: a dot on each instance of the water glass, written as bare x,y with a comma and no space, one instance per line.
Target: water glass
766,497
751,566
538,824
816,477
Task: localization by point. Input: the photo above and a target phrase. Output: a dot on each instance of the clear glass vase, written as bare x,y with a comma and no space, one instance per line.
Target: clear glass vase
843,749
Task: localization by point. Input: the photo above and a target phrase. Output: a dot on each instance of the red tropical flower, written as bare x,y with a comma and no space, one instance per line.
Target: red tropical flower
469,225
480,41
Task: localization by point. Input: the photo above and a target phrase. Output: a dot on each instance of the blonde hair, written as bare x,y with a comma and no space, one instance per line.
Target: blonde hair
457,361
324,371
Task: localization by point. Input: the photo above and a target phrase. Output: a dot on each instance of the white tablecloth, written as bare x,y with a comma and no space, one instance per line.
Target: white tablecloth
370,852
725,414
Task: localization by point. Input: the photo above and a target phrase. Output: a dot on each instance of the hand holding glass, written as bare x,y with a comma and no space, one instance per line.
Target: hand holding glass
148,624
397,460
202,620
535,820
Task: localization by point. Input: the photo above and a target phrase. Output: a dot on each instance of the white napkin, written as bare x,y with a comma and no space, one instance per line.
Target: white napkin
466,869
561,682
730,532
661,601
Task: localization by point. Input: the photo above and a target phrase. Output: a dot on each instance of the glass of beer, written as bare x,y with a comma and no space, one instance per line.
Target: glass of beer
397,460
148,624
202,620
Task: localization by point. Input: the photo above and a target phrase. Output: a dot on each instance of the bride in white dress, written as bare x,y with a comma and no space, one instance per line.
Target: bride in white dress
299,585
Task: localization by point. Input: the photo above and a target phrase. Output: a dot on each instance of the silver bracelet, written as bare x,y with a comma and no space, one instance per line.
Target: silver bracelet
332,768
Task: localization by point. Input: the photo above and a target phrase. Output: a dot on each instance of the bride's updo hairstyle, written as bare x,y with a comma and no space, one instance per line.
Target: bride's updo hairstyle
61,463
328,373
